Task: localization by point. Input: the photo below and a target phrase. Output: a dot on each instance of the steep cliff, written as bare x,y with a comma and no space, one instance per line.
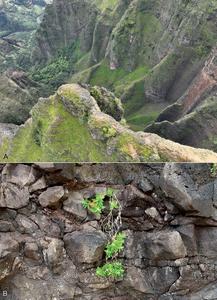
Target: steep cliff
51,246
78,125
195,111
148,53
18,21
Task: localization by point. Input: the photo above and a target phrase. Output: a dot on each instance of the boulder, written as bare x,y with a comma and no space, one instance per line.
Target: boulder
31,251
107,102
12,196
19,174
9,249
25,225
52,197
207,241
84,246
53,252
73,204
40,184
183,191
163,245
151,280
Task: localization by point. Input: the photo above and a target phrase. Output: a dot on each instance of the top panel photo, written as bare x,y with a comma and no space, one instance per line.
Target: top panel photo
108,80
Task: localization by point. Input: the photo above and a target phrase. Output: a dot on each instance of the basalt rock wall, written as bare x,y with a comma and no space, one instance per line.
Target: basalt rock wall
50,245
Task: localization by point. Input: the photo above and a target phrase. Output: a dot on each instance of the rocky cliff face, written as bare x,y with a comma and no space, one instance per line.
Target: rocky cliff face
50,245
149,54
81,125
195,109
18,20
18,93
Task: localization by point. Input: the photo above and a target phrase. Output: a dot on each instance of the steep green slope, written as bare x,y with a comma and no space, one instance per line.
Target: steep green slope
147,52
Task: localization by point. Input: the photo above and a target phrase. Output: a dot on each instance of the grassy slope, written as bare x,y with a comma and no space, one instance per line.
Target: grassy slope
55,135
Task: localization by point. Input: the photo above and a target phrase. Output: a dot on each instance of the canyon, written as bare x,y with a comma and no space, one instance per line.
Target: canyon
158,59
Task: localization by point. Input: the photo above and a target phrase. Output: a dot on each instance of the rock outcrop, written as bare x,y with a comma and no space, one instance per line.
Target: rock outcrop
69,126
195,110
18,94
169,216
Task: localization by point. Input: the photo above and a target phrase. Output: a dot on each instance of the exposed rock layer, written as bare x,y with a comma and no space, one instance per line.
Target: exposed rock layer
169,215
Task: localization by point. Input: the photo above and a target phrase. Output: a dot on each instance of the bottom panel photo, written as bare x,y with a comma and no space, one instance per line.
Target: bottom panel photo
108,231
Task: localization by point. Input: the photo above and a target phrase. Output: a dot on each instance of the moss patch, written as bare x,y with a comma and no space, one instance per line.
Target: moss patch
4,150
104,76
59,137
133,150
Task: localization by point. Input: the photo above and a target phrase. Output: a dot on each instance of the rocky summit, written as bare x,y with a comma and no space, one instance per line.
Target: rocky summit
157,57
72,125
51,246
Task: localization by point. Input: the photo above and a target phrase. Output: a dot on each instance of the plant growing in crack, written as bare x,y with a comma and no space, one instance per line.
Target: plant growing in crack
213,170
111,223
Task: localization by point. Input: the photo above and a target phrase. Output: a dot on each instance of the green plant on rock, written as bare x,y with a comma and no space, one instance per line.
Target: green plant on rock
109,132
116,245
95,205
111,223
114,270
213,170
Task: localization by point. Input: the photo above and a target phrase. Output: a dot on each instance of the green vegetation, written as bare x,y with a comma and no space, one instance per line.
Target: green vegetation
139,122
104,4
55,135
213,170
132,149
117,245
95,205
57,70
110,224
114,270
104,76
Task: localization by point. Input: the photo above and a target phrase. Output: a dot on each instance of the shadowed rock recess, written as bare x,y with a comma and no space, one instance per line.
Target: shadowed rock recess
50,246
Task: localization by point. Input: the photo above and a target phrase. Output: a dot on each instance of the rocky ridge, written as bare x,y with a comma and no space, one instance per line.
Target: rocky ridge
61,127
50,245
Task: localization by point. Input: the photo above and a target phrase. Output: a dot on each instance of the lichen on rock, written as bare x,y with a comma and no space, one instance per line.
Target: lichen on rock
61,127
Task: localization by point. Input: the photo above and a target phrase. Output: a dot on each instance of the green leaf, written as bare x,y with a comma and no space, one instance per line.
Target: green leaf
113,204
110,192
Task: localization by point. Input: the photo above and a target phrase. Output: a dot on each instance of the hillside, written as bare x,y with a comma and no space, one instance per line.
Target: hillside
158,58
148,53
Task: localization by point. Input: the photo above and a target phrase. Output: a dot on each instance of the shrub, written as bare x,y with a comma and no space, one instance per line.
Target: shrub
110,224
95,205
117,245
114,270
